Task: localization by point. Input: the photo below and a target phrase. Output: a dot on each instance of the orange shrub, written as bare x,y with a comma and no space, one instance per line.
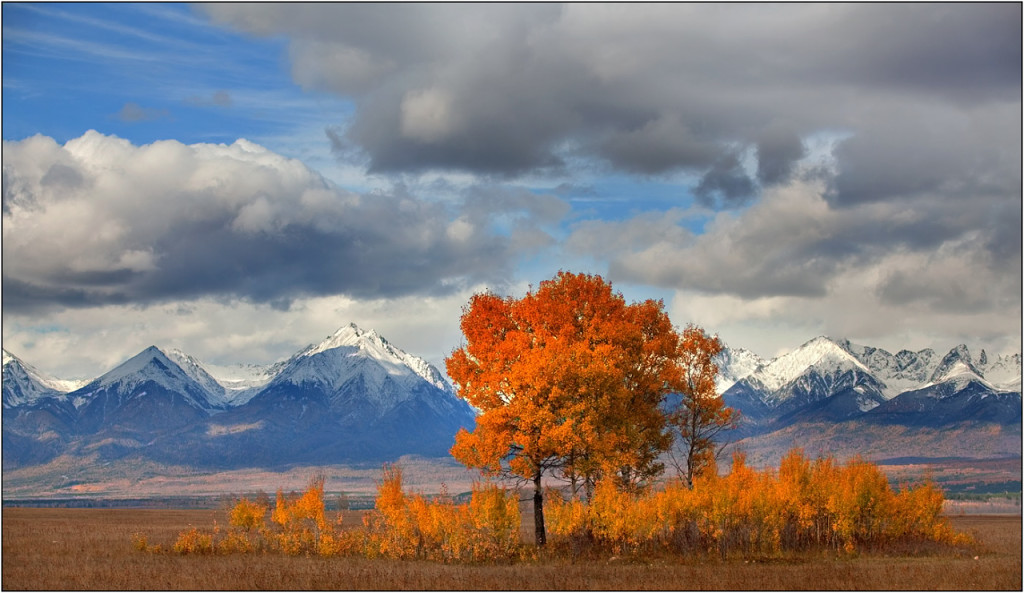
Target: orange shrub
194,541
303,523
247,515
804,505
409,526
750,512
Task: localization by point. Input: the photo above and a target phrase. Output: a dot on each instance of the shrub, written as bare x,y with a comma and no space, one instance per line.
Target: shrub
247,515
193,541
410,526
804,505
748,512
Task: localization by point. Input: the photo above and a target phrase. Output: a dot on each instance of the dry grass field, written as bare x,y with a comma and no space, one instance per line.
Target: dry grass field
75,549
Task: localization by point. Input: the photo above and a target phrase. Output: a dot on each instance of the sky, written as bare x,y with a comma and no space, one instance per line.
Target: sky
240,180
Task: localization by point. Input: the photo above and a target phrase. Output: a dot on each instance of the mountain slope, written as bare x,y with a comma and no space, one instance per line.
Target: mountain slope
820,380
354,396
216,395
148,393
900,372
1003,372
734,364
24,384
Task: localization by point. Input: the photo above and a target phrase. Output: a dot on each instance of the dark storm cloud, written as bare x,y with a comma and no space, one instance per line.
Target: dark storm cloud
658,88
963,51
778,150
727,181
659,146
110,222
906,153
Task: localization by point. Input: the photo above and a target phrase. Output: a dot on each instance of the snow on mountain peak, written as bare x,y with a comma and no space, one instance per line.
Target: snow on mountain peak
351,341
820,352
28,384
350,335
153,364
216,392
954,364
135,365
734,364
1004,372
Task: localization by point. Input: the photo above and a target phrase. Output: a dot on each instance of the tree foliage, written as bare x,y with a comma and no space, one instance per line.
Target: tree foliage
701,414
569,380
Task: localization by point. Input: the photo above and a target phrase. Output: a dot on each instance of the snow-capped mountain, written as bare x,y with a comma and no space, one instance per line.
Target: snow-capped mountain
386,371
900,372
957,367
872,403
817,371
216,395
734,364
37,414
152,367
1003,372
820,354
147,394
357,397
24,384
354,396
836,380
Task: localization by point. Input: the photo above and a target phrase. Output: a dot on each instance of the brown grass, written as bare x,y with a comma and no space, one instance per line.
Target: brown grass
74,549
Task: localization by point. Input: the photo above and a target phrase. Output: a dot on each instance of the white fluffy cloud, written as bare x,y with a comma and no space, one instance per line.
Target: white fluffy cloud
100,221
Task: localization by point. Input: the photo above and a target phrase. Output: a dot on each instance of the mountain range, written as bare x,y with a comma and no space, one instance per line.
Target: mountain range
352,397
873,403
356,397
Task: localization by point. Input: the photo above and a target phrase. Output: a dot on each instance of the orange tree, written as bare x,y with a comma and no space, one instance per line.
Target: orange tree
569,381
701,414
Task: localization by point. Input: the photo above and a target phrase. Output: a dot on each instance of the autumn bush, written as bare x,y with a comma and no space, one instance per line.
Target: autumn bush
804,505
409,526
486,529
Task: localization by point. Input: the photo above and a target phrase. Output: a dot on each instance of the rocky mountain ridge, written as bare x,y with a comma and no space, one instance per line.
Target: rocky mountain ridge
352,397
832,393
357,397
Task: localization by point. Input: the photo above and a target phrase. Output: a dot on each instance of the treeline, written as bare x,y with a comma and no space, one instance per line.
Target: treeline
172,502
805,505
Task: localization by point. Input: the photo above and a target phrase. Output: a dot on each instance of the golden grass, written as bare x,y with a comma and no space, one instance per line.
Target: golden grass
75,549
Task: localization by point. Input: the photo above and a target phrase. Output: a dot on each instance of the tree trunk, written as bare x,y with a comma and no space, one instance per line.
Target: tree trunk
538,512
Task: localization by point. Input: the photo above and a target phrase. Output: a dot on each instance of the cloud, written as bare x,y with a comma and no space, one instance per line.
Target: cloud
726,180
904,153
929,252
511,90
100,221
85,342
779,148
961,276
133,112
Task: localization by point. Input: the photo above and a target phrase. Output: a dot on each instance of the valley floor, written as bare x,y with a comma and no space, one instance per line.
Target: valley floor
76,549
